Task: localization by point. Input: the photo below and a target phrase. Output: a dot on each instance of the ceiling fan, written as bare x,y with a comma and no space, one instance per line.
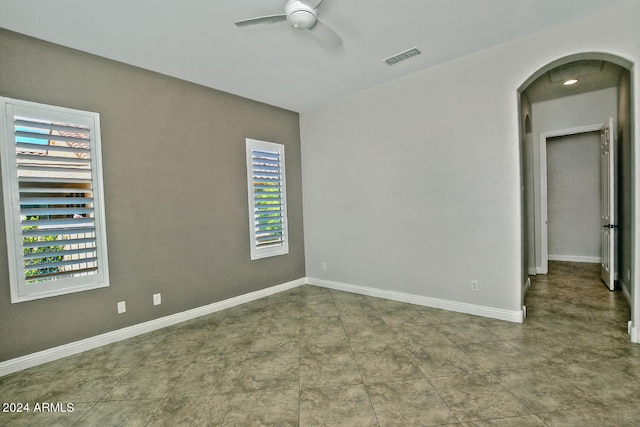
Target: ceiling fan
302,15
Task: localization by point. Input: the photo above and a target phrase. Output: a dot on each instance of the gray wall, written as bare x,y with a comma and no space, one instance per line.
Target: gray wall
175,193
625,177
526,162
573,197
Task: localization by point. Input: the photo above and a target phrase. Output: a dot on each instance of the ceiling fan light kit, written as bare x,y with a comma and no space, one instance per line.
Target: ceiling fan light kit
301,15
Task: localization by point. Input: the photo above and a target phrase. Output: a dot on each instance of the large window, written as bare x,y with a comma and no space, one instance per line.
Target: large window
267,199
53,199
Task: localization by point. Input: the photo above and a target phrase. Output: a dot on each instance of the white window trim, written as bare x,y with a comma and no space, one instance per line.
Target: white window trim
281,247
20,291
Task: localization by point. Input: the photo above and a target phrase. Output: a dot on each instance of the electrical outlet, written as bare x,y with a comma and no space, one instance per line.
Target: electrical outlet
157,299
122,307
323,266
474,286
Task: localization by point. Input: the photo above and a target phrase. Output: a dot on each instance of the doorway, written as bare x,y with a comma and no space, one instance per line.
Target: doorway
573,199
577,117
571,195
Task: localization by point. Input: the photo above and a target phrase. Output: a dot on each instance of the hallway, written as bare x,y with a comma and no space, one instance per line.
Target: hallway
572,293
577,329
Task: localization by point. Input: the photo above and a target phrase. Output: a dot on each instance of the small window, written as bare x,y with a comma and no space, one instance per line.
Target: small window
267,199
53,199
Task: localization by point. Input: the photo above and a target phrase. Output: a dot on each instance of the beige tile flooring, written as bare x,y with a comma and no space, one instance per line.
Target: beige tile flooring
313,356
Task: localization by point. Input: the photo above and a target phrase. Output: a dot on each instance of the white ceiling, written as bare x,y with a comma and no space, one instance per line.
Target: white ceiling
196,40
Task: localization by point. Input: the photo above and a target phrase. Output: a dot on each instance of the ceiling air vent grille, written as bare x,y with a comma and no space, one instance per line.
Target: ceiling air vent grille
392,60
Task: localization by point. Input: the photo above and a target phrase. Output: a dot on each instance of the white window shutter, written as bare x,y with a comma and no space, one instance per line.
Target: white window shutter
267,199
55,221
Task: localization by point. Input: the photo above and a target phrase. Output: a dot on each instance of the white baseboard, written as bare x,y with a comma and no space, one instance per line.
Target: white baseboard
574,258
634,334
532,271
477,310
55,353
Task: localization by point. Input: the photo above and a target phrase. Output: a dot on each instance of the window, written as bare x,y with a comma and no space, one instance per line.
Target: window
267,199
53,199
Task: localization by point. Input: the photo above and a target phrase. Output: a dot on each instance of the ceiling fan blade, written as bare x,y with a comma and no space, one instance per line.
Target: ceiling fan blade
325,34
269,19
312,3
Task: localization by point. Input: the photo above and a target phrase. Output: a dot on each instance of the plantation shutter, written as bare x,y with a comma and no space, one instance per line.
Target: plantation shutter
267,201
55,210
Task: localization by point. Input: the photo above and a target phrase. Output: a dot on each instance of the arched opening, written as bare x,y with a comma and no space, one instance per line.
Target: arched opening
549,109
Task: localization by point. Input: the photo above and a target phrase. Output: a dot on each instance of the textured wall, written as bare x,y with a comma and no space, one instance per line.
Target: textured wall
175,193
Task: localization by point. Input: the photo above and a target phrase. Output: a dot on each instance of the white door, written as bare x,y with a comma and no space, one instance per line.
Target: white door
608,214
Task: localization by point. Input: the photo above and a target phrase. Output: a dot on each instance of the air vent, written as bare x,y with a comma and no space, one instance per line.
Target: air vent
392,60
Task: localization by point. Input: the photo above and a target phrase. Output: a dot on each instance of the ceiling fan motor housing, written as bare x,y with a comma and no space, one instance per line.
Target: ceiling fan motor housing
300,15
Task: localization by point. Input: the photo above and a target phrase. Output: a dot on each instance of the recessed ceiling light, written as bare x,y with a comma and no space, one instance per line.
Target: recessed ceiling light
570,82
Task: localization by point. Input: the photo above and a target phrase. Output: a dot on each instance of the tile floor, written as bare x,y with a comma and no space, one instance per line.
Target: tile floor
313,357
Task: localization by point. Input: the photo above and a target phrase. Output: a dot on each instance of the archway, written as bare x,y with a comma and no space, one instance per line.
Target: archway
533,220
